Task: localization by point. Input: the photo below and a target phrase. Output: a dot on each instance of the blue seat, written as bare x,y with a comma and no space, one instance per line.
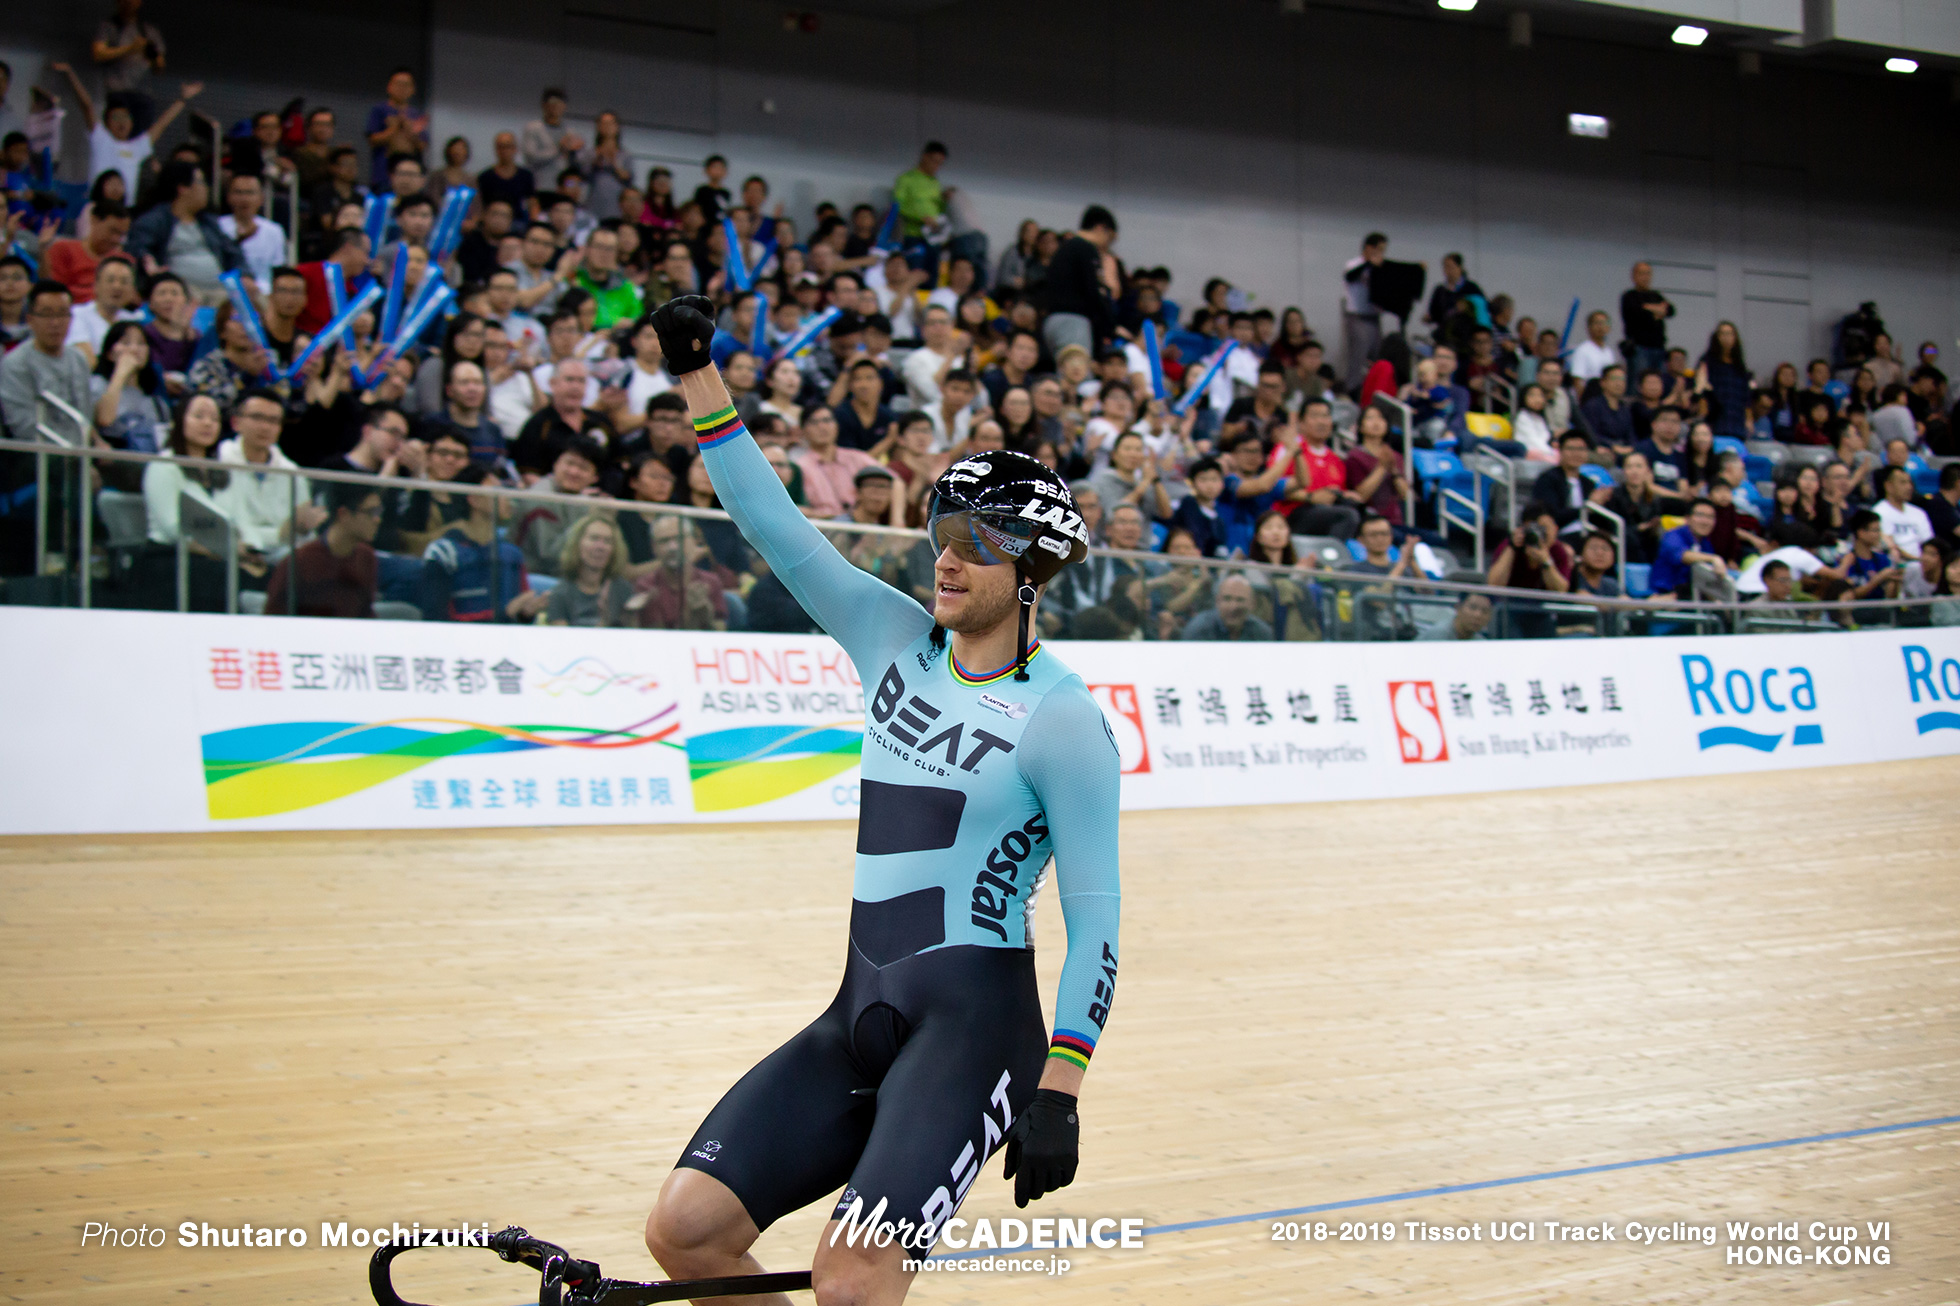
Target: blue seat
1729,444
1839,391
1598,475
1159,533
1757,467
1438,470
1356,552
1639,584
1433,463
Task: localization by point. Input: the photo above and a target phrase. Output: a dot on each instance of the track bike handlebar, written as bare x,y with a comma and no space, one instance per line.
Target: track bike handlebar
567,1281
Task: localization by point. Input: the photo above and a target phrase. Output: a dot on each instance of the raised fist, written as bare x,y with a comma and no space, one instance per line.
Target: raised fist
686,327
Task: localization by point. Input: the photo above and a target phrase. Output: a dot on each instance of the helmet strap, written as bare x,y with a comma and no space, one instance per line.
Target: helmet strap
1027,596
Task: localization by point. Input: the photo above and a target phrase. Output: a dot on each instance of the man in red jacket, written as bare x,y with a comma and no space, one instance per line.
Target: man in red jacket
351,252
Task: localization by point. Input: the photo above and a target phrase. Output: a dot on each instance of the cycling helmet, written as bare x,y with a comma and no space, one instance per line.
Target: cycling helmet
1000,507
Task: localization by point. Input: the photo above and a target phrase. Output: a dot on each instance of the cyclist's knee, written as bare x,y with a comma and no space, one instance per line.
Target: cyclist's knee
845,1281
858,1276
697,1214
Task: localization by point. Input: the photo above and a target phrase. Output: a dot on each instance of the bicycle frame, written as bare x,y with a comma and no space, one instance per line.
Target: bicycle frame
567,1281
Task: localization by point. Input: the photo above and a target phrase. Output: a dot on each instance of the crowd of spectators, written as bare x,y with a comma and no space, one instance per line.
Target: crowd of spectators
546,375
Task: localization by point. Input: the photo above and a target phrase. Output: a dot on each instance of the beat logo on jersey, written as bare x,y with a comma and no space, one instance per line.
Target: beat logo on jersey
915,723
1124,717
1418,721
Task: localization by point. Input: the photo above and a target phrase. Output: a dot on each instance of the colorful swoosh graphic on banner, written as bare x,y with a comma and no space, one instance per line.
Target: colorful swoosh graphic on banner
587,675
284,766
756,764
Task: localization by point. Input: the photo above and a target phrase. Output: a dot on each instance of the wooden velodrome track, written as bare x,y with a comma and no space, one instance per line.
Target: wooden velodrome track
1319,1004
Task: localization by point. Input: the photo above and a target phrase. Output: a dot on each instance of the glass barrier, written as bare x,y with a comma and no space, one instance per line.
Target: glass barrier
194,535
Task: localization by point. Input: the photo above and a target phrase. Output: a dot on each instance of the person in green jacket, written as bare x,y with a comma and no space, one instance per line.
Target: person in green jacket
921,202
599,276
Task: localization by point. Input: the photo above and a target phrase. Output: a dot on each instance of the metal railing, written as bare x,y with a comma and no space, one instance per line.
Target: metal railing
1473,503
268,210
1506,392
1589,510
1499,471
1425,600
1397,411
43,401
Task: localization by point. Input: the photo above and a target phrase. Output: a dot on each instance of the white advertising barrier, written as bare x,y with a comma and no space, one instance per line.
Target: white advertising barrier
130,722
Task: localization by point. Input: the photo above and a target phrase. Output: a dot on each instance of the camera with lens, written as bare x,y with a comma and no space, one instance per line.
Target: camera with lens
1534,538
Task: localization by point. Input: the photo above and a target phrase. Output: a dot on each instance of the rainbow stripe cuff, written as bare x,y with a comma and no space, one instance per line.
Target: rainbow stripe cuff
1071,1046
717,428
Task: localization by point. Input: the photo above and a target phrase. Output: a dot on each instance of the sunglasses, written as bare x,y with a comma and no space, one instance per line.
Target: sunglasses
985,541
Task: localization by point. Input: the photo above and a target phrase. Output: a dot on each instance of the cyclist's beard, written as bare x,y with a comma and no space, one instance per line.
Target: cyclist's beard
983,609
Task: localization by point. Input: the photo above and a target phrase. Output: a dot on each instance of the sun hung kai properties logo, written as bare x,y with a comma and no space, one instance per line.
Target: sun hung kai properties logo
1418,721
1763,704
1934,684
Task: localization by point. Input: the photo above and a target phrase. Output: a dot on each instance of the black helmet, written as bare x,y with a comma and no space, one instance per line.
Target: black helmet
997,507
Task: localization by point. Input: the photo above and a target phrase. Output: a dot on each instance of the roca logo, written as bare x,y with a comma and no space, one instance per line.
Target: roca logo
1932,682
1771,691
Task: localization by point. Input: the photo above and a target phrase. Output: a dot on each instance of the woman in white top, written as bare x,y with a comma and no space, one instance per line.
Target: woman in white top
783,383
1118,414
645,377
1531,428
199,427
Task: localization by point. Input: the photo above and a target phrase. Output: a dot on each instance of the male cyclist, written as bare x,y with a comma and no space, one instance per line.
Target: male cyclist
983,757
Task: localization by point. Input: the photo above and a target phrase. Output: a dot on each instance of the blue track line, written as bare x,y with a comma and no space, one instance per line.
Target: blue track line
1447,1189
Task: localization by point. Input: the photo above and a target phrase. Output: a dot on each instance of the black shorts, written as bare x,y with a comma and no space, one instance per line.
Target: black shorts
899,1091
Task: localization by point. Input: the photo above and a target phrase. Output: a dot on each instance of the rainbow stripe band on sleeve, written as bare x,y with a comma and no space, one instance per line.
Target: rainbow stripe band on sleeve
1071,1046
717,428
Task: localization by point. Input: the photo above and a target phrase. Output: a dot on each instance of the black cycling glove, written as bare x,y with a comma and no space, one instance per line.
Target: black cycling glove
686,327
1043,1146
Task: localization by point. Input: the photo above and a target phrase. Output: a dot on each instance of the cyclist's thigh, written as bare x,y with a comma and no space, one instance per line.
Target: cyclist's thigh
965,1073
789,1131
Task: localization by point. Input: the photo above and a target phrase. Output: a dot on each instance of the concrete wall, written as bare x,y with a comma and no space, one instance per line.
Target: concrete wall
1235,141
1231,139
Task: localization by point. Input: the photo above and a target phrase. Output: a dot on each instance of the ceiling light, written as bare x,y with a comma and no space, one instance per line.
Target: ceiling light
1901,65
1689,34
1459,6
1588,124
